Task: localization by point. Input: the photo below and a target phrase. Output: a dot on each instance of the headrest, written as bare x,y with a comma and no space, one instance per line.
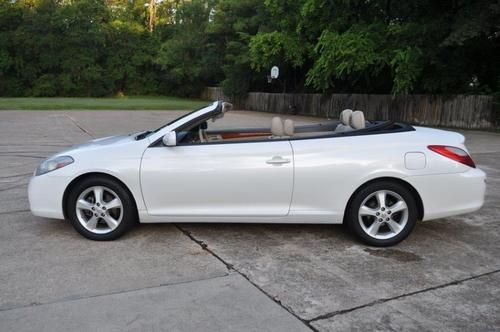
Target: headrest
358,120
277,126
345,117
226,107
289,127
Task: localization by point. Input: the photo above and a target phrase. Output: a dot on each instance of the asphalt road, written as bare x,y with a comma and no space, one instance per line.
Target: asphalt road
233,277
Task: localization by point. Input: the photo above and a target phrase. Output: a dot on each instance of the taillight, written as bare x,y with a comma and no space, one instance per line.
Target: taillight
453,153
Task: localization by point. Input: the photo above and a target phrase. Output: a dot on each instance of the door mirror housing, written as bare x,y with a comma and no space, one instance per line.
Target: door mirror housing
170,139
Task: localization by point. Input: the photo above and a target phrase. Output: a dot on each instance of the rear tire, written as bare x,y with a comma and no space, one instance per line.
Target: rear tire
382,213
101,209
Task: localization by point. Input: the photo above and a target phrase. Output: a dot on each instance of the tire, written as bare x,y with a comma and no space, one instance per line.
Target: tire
104,203
382,225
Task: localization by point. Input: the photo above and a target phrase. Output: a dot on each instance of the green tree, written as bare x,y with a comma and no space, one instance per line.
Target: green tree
11,17
234,23
384,46
107,47
182,56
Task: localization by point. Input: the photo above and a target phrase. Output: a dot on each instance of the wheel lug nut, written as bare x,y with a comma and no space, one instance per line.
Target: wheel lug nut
98,204
389,212
378,213
104,208
383,209
93,208
386,219
96,215
102,214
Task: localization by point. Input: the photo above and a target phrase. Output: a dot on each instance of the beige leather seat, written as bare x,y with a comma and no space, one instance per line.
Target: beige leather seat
345,121
289,127
277,129
358,120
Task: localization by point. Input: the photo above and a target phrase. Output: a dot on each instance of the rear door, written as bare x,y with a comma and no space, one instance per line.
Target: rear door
218,179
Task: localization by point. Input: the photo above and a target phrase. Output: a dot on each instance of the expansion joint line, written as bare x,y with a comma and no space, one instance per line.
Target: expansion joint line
384,300
231,267
79,126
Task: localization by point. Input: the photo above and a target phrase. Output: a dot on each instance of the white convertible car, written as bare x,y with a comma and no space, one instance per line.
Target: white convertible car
379,177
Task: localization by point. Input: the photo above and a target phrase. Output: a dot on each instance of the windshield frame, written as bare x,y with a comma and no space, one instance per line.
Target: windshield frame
179,118
207,111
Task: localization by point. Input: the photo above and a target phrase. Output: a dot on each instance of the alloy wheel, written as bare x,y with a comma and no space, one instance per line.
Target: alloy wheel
99,209
383,214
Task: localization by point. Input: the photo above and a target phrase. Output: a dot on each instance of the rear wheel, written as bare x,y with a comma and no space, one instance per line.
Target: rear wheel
382,213
100,209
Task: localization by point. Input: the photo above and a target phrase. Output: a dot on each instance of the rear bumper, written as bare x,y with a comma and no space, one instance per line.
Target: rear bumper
45,194
445,195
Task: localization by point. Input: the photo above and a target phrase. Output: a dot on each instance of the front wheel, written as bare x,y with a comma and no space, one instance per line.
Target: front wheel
100,209
382,213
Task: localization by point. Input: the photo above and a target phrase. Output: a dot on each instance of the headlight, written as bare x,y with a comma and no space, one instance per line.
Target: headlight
52,164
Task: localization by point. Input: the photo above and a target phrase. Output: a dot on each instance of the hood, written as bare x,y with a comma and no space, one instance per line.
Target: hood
105,141
99,143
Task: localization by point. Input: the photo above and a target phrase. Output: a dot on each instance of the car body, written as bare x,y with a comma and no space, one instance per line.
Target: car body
250,176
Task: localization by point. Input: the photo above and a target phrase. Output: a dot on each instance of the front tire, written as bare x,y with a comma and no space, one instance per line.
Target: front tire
382,213
101,209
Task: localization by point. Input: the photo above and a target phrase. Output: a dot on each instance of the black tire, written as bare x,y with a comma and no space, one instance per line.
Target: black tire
129,217
352,213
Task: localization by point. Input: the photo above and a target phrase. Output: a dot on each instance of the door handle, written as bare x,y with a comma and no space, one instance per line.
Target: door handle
278,160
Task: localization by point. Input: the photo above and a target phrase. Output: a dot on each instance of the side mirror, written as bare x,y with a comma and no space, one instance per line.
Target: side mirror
170,139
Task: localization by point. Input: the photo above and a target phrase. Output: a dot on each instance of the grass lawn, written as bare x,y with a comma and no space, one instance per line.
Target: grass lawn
118,103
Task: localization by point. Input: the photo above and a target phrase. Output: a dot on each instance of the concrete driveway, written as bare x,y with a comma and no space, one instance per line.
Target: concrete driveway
223,277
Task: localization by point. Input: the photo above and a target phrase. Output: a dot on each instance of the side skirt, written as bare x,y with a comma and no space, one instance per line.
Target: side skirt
294,217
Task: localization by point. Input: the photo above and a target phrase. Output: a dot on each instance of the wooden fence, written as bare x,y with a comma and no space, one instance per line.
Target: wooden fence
459,111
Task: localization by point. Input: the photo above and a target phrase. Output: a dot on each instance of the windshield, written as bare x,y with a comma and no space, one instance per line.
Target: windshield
146,133
177,119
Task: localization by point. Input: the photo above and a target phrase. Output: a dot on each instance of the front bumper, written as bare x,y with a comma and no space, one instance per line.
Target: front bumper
45,194
445,195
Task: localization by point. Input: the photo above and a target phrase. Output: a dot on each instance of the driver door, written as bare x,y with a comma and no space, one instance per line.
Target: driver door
218,179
